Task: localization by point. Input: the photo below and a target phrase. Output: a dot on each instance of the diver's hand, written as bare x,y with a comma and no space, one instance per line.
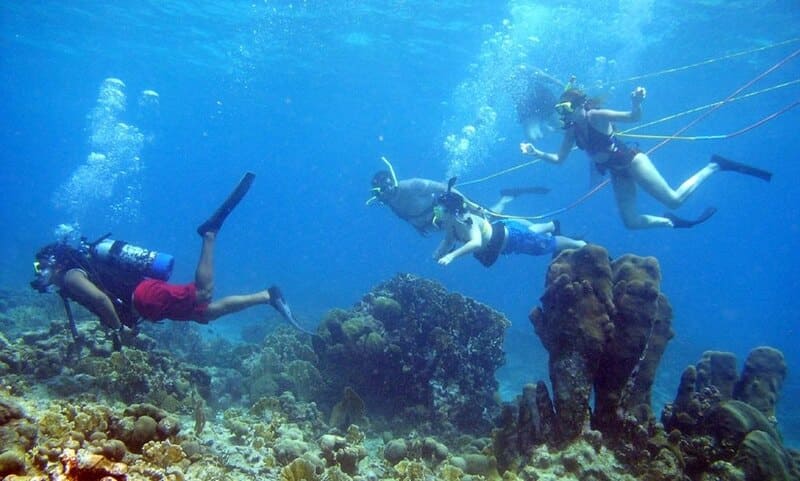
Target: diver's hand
528,149
446,259
638,95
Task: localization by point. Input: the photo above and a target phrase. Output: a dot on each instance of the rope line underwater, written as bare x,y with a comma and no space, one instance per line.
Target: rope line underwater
707,61
676,136
627,133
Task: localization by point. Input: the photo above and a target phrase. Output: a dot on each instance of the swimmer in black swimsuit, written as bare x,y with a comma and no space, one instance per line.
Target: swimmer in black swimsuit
591,129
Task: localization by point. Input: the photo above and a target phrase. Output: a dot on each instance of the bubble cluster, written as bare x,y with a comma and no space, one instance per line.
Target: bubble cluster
108,184
482,100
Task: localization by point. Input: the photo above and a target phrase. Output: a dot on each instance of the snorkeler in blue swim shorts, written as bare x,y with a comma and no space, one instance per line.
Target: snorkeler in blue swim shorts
485,240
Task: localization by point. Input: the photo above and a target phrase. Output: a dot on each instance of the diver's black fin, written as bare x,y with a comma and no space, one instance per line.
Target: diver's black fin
679,223
733,166
277,301
214,223
518,191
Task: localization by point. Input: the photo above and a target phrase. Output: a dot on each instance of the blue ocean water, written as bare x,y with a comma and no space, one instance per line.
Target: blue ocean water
310,94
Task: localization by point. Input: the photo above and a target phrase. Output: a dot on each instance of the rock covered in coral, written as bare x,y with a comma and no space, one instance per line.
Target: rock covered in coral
605,325
283,363
725,422
412,347
761,380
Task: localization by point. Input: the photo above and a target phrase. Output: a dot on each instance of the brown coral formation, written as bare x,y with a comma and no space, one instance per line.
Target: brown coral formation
720,417
605,325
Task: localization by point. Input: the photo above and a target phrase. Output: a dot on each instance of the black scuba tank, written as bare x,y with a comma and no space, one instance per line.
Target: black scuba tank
133,259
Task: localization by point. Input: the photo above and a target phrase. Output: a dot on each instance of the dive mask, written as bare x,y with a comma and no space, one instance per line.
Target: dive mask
43,276
564,108
438,213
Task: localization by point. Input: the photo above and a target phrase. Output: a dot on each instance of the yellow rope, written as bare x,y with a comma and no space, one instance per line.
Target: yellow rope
675,137
627,133
498,174
706,62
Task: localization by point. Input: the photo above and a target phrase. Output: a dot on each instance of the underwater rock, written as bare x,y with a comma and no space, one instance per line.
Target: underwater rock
720,434
83,465
606,326
12,462
395,450
283,363
435,363
298,470
340,451
717,369
350,410
761,380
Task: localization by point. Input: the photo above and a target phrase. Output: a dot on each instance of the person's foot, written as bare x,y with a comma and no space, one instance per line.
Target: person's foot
214,223
733,166
679,223
277,301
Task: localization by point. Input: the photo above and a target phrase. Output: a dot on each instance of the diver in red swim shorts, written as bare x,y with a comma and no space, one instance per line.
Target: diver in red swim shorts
106,278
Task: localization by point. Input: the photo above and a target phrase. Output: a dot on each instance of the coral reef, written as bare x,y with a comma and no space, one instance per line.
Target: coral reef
720,418
399,387
414,349
605,325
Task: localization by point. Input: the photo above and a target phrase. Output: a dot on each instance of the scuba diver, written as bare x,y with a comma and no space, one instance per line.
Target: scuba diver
591,128
413,199
487,240
121,283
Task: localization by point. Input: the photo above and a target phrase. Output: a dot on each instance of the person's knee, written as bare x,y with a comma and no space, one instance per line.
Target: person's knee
205,294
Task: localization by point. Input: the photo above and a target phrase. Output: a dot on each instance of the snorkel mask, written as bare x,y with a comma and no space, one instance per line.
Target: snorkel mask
448,203
564,108
384,182
43,274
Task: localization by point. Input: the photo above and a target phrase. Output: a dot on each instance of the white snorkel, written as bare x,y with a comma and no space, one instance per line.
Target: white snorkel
394,180
391,169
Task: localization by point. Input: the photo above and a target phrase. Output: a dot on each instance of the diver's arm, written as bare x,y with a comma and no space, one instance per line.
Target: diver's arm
563,152
474,243
445,245
78,286
637,97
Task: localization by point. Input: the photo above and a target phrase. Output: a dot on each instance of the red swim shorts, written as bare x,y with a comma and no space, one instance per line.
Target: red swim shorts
156,300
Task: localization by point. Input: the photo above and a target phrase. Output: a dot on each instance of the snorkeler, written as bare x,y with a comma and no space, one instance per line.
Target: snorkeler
122,284
487,240
413,199
591,128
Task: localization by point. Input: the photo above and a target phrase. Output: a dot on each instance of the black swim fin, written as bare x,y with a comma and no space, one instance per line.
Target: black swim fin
679,223
733,166
517,191
556,227
214,223
277,301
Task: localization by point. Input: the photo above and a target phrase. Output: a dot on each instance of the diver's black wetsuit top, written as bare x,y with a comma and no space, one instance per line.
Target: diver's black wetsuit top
620,155
116,284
